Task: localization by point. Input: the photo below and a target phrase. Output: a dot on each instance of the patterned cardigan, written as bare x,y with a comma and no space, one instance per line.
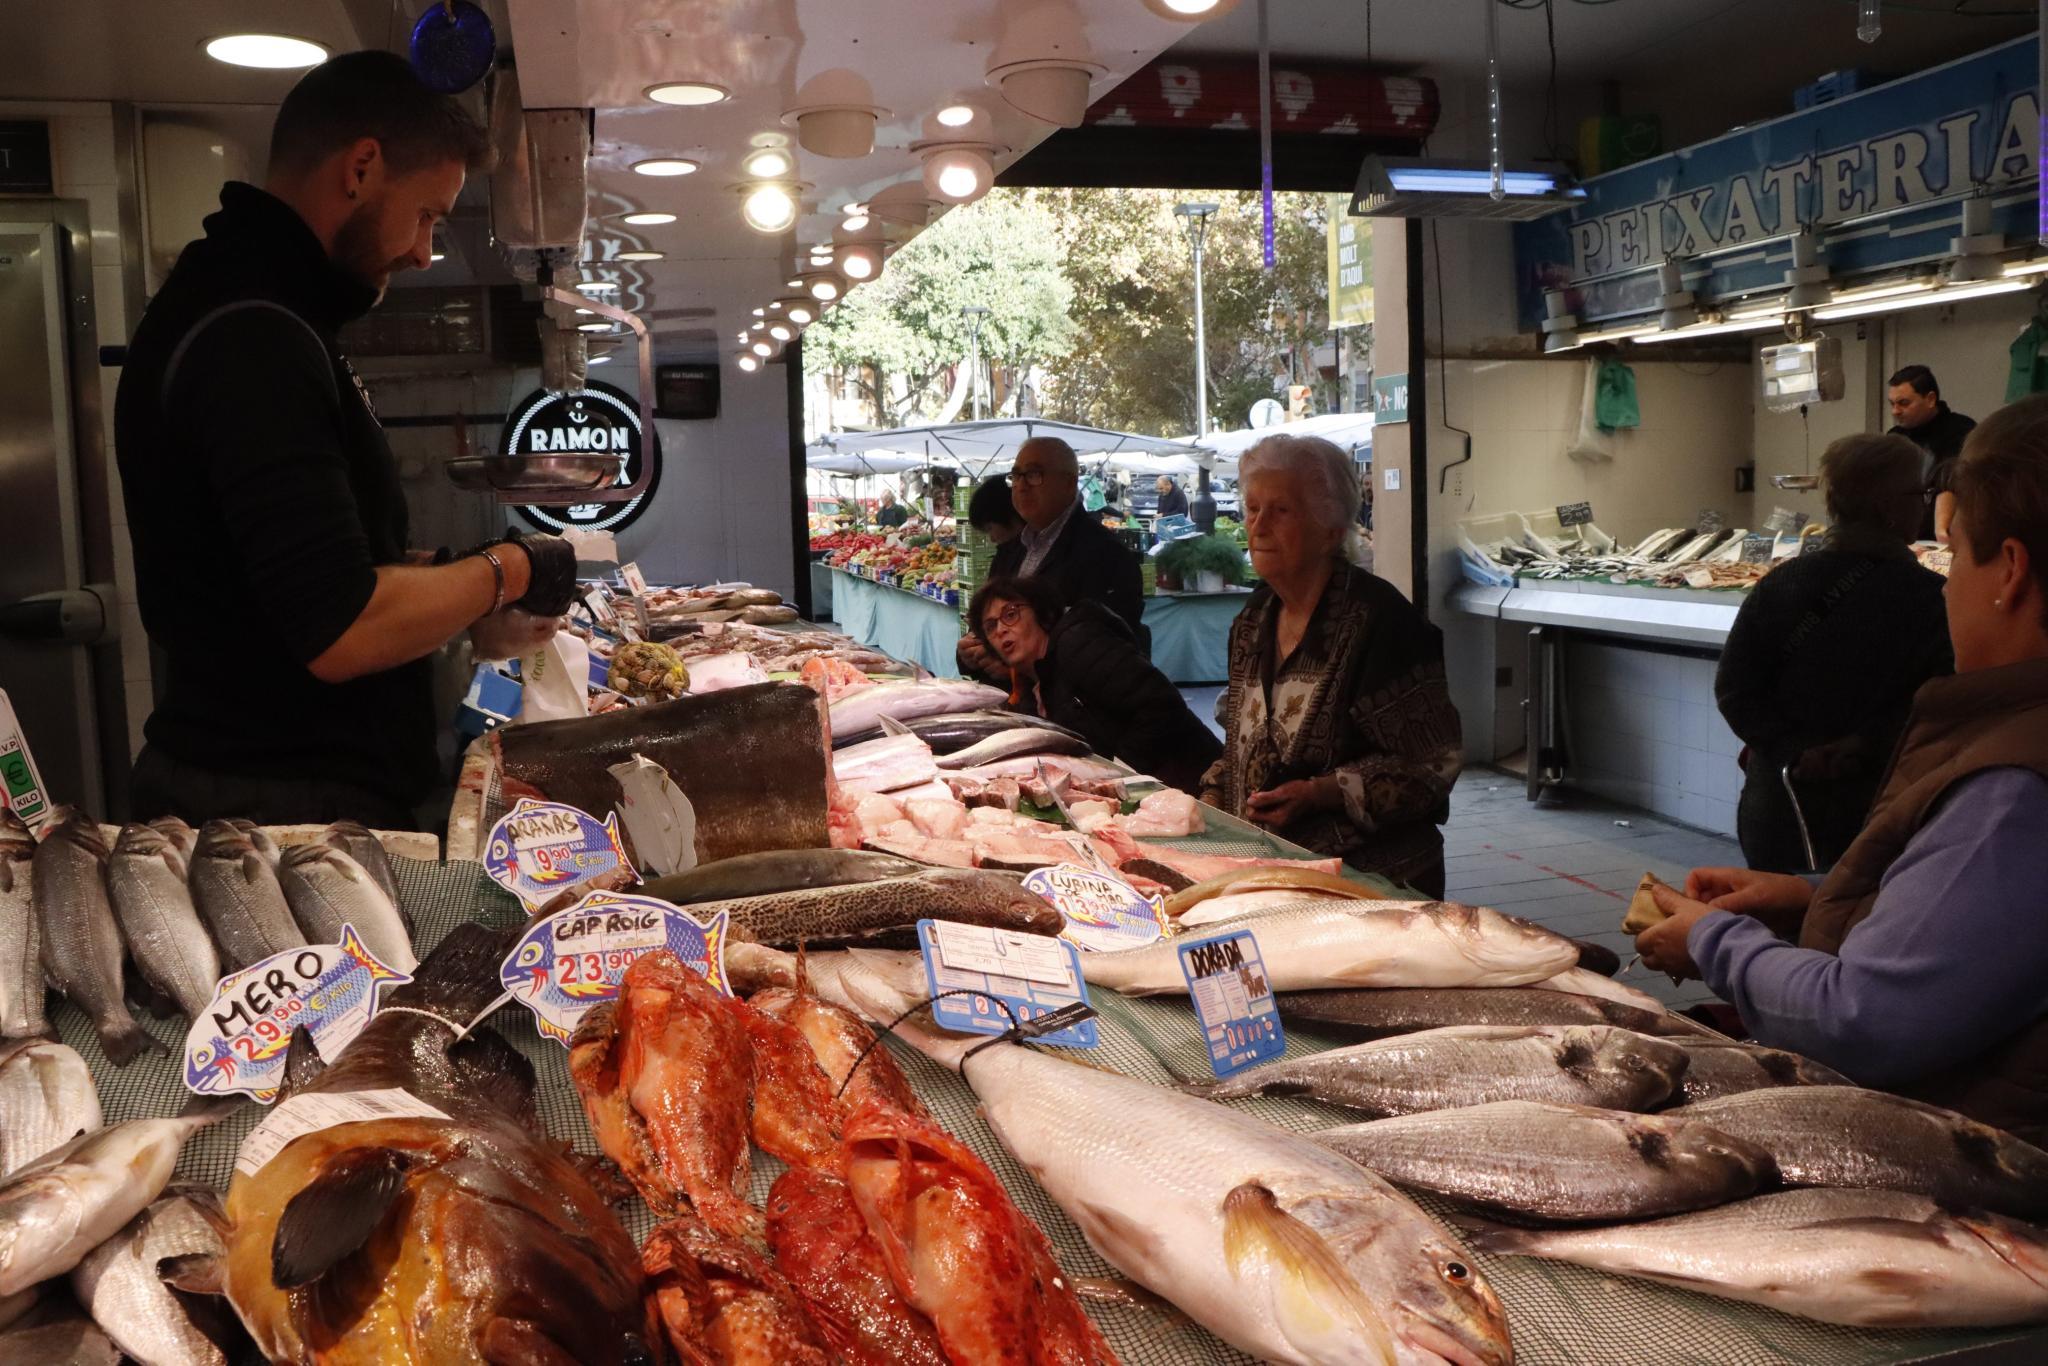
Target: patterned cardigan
1378,715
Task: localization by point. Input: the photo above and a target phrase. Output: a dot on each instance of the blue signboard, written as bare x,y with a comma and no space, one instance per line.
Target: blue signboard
1878,175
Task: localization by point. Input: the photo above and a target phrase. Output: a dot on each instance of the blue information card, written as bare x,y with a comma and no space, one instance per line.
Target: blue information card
1032,974
1227,982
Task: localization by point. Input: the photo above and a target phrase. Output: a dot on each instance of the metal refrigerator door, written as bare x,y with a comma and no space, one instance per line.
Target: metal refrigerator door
41,529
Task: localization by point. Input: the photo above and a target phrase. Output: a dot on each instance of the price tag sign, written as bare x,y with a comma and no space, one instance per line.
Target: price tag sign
1711,521
600,604
238,1043
21,786
635,581
1031,974
317,1110
1757,549
1103,913
542,849
1574,514
575,959
1227,982
1784,520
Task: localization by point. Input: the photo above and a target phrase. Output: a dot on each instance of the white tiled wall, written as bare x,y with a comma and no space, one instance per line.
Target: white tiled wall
1645,731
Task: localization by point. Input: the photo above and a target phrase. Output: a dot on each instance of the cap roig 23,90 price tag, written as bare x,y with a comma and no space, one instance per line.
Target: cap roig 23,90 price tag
575,959
1227,981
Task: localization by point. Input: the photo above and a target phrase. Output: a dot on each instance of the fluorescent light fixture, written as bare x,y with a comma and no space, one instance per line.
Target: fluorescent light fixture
1618,332
1409,187
648,220
688,93
769,208
749,364
266,51
1449,180
1948,295
768,164
593,327
1890,289
2017,269
599,360
665,166
956,115
597,287
642,255
437,256
1753,323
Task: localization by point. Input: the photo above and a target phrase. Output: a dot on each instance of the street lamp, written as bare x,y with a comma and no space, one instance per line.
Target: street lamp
975,315
1194,221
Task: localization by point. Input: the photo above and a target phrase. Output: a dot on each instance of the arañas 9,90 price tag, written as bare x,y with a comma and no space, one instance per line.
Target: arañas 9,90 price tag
1227,982
1103,913
238,1042
575,959
543,849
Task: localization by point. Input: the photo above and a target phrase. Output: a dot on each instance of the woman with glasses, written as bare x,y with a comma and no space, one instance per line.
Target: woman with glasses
1079,666
1824,657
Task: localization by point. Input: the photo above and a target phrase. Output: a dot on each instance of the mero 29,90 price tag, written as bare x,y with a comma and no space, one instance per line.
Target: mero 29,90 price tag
1103,913
1030,974
543,849
1227,981
575,959
238,1043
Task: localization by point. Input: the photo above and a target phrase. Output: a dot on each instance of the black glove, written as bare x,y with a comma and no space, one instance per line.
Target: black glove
552,585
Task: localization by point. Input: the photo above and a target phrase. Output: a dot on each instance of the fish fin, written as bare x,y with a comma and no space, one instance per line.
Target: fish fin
1501,1240
205,1202
302,1063
334,1216
123,1041
1117,1290
461,974
254,866
211,1109
891,726
1256,1230
495,1072
195,1273
518,1342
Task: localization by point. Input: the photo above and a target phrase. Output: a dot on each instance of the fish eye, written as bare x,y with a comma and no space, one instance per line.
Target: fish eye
1456,1271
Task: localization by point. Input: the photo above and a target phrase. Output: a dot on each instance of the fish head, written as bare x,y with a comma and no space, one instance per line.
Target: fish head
221,839
17,841
1497,940
1694,1147
1602,1052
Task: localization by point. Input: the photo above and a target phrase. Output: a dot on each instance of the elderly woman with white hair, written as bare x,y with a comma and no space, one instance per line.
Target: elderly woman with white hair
1339,732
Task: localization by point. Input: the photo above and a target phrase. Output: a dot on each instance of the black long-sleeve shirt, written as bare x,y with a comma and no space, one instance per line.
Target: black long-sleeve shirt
1095,680
1088,564
262,497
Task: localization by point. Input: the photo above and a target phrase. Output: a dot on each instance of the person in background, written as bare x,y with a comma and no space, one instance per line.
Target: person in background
1825,655
1339,731
889,516
1922,958
1919,415
1172,502
1080,667
991,513
1081,558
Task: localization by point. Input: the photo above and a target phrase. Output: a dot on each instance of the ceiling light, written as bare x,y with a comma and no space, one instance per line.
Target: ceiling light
774,306
584,313
794,284
903,203
1717,327
1043,64
782,332
599,360
835,114
665,166
597,287
648,220
1613,332
1407,187
1890,289
1950,294
1190,11
266,51
760,325
769,163
642,255
769,208
800,311
856,220
760,312
956,115
2034,267
749,364
592,327
763,349
824,286
688,93
437,256
859,261
958,173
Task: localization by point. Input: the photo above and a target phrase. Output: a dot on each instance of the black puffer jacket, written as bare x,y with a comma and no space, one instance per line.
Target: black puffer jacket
1095,680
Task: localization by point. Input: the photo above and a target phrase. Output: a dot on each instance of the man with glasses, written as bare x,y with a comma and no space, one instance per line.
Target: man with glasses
1072,551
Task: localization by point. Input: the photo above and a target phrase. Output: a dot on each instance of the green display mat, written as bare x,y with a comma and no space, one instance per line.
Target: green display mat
1559,1314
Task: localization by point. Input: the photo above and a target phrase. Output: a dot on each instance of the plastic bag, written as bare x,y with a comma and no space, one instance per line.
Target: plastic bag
1591,444
557,680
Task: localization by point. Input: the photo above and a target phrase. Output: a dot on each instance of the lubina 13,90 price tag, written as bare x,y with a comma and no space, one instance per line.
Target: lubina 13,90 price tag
575,959
1233,1000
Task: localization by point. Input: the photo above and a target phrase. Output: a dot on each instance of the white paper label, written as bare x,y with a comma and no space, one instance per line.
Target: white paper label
319,1110
635,581
1002,953
21,786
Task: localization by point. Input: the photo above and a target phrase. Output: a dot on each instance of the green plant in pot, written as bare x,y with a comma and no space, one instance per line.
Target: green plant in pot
1186,562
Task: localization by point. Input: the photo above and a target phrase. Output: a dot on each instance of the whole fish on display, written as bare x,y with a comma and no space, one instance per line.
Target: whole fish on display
1877,1259
1439,1069
1849,1136
798,1113
752,761
950,732
1308,882
1379,1014
1726,1067
721,1301
327,889
120,1285
395,1236
355,840
182,836
239,897
1011,744
68,1339
259,839
843,1047
1277,1245
777,870
21,964
71,1199
46,1099
823,1246
1559,1163
887,911
886,765
1583,982
1361,944
863,709
81,943
148,884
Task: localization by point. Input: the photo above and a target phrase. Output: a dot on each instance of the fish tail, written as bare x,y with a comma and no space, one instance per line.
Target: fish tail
123,1041
461,974
1314,1282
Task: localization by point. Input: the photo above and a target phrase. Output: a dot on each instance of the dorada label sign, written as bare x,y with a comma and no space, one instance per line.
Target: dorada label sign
1574,514
541,849
984,981
1103,913
575,959
1233,1000
238,1042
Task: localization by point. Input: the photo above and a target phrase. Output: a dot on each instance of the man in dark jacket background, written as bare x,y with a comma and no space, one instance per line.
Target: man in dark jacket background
1061,544
1921,417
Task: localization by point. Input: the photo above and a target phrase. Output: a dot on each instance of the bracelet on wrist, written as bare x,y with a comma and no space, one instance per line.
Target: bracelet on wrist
497,577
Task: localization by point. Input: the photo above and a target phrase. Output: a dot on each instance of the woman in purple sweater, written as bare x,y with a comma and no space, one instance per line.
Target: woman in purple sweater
1921,959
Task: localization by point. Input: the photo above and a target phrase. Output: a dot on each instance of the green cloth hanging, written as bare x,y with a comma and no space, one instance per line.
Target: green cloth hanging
1093,498
2029,364
1615,404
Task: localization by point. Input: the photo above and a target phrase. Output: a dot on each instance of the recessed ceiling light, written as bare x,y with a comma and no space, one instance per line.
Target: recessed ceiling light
801,313
437,256
584,313
855,222
769,208
749,363
780,331
774,306
648,220
642,255
665,166
599,360
763,349
593,327
266,51
597,286
796,284
824,288
688,93
956,115
769,163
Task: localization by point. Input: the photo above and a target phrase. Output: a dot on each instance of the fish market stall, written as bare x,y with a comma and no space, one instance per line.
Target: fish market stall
1191,633
909,625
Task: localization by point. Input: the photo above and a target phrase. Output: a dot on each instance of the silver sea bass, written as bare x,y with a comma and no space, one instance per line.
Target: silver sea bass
21,964
237,892
1878,1259
147,880
182,836
1439,1069
1726,1067
120,1286
46,1099
327,889
1279,1247
354,839
1562,1163
68,1202
1362,944
81,943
